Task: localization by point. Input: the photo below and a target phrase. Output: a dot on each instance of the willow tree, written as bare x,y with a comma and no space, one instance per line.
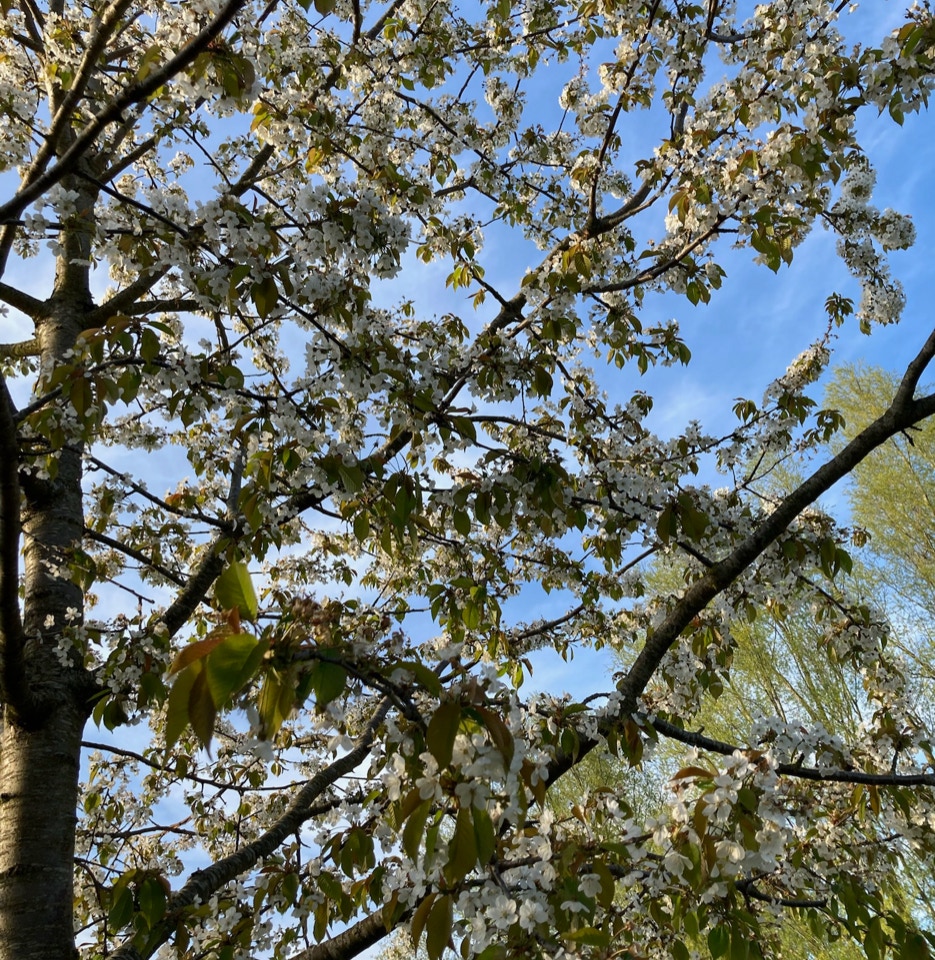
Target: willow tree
261,494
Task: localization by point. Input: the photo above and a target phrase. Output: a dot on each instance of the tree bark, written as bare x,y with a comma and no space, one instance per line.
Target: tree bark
46,691
38,793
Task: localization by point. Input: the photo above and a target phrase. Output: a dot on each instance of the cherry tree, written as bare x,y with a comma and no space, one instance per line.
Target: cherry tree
270,514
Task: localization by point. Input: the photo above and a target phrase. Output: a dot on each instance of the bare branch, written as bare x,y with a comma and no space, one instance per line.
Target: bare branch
20,301
221,785
914,371
137,555
25,348
748,889
220,523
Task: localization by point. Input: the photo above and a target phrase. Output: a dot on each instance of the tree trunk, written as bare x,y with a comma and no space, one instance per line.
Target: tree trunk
39,784
40,742
47,690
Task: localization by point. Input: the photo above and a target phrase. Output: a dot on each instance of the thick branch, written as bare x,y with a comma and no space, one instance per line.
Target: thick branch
203,883
105,23
904,412
123,300
350,942
25,348
186,603
146,308
20,301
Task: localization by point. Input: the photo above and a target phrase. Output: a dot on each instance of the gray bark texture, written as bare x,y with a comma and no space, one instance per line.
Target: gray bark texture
45,694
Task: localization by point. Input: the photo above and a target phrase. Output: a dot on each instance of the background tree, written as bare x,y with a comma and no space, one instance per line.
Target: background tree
891,499
253,177
781,666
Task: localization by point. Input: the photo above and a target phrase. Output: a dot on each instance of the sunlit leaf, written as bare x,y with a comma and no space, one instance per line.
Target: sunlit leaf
234,590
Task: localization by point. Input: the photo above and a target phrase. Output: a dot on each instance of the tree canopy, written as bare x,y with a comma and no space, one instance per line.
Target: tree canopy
288,444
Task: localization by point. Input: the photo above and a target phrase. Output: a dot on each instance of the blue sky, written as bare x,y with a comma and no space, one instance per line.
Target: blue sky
759,321
754,325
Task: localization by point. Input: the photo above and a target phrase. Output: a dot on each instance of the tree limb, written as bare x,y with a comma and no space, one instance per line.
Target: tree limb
23,302
104,23
838,775
25,348
350,942
137,555
903,412
203,883
196,589
125,301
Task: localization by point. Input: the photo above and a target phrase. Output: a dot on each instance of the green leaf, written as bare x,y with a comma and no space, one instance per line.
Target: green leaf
914,947
499,734
234,590
471,614
265,295
121,909
461,522
608,885
718,941
420,918
425,677
152,897
150,59
739,946
177,704
328,680
230,665
484,835
80,395
589,935
667,526
149,345
438,927
289,887
415,829
201,709
361,526
442,730
270,705
462,849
